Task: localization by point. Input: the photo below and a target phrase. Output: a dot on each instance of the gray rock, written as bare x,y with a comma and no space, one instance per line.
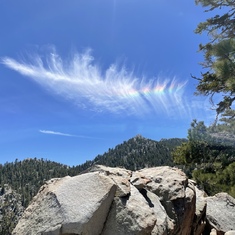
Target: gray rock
120,176
166,182
176,195
71,205
231,232
115,201
187,211
221,212
213,232
139,180
130,215
200,204
171,186
199,222
164,225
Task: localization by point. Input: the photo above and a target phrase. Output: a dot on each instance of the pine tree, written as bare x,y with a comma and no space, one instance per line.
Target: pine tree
219,53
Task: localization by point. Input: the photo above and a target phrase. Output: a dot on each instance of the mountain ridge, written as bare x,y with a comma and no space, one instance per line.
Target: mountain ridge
27,176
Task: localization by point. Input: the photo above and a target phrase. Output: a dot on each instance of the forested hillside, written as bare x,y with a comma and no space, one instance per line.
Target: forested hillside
137,153
27,176
21,180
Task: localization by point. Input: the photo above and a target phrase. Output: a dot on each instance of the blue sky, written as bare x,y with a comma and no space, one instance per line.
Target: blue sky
79,77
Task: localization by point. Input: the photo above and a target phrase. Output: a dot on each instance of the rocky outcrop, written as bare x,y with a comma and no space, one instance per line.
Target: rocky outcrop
130,215
175,194
199,222
231,232
71,205
116,201
120,176
221,212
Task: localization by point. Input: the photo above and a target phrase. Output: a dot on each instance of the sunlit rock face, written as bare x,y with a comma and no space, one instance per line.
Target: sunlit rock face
221,213
116,201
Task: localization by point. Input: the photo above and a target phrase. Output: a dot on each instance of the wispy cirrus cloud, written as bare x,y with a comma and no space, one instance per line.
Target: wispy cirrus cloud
56,133
50,132
115,90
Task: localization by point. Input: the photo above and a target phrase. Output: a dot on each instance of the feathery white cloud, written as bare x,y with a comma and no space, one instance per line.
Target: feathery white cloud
115,90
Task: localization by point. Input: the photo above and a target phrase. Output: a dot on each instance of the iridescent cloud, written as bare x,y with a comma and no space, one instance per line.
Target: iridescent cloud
115,90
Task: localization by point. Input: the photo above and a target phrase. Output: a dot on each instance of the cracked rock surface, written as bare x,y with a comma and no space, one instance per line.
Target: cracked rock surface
221,212
116,201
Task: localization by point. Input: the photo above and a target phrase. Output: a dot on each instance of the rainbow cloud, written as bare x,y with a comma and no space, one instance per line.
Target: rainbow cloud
116,90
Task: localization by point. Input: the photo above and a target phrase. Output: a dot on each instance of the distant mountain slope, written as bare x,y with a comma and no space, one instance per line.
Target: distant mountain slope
27,176
11,209
137,153
19,182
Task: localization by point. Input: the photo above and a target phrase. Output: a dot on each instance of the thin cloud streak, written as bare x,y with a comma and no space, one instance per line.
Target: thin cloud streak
55,133
116,90
49,132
